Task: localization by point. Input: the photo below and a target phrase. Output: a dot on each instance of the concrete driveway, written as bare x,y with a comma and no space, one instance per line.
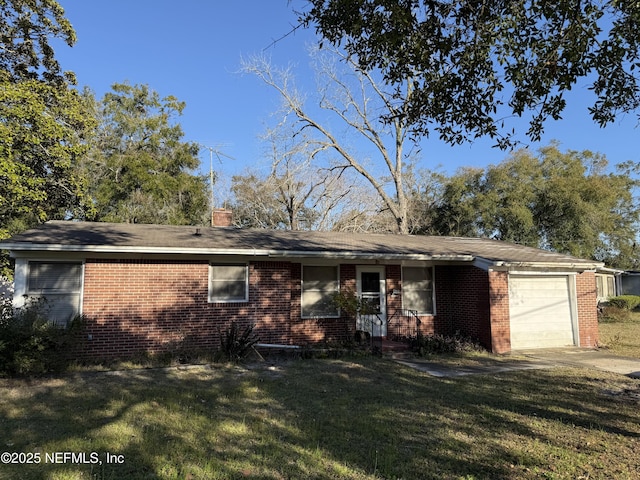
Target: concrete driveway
528,360
585,357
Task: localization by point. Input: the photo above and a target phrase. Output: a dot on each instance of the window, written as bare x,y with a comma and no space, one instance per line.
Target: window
319,285
600,287
59,285
417,289
611,289
605,286
228,283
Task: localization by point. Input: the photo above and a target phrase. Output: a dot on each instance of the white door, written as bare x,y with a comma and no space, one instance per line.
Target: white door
371,292
541,312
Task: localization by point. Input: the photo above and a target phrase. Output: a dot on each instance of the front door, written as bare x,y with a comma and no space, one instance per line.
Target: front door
371,292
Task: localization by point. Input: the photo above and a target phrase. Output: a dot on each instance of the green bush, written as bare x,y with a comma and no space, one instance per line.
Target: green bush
236,344
626,302
30,344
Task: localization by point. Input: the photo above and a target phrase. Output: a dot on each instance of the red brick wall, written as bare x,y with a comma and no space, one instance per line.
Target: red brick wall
136,306
587,309
162,306
499,312
156,306
462,302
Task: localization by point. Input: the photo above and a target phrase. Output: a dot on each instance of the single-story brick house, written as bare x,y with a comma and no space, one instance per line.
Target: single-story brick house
152,287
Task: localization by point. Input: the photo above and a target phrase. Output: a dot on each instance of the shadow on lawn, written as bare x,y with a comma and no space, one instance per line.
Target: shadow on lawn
433,428
321,419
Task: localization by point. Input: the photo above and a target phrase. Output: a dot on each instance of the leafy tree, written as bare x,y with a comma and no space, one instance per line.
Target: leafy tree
41,130
43,121
471,64
27,28
141,171
564,202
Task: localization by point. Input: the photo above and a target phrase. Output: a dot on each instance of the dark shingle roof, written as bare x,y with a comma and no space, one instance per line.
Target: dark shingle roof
140,238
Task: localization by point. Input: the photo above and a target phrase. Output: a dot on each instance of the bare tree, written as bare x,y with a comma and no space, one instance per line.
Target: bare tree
295,194
379,152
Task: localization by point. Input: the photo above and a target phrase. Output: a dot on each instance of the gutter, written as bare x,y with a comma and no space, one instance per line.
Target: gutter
569,265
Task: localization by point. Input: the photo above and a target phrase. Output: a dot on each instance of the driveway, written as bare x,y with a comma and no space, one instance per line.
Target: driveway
527,360
585,357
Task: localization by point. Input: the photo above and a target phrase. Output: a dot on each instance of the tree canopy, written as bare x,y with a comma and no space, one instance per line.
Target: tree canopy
564,202
470,64
41,130
42,121
27,28
141,170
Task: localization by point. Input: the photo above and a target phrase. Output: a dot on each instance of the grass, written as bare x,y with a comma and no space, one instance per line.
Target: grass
358,418
621,334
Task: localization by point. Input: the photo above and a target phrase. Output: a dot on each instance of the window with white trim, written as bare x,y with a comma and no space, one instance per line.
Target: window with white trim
320,284
59,286
228,283
417,289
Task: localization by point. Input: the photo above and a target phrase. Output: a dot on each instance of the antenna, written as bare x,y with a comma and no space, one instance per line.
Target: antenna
215,149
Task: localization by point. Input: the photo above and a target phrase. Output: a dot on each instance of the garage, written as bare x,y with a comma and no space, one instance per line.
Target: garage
541,311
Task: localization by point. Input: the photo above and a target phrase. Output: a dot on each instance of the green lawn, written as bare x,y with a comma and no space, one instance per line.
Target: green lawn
361,418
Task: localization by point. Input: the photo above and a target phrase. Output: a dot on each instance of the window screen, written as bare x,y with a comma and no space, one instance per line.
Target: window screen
228,283
417,289
319,285
58,286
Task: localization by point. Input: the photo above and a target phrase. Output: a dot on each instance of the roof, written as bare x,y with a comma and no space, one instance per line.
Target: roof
69,236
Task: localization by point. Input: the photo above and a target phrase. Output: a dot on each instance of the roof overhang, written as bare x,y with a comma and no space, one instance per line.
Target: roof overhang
16,248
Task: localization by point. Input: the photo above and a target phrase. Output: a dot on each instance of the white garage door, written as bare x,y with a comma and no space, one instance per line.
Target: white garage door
540,311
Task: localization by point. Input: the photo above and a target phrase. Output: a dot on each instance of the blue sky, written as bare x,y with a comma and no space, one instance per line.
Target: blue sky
192,50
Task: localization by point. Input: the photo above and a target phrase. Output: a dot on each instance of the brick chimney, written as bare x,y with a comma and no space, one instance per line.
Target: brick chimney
221,217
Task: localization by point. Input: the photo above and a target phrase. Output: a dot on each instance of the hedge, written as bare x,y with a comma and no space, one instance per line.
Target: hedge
626,302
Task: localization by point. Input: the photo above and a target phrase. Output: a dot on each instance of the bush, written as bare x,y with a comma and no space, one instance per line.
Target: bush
613,314
30,344
235,345
430,344
626,302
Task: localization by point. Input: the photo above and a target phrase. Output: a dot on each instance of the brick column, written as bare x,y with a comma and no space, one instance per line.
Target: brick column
587,309
499,312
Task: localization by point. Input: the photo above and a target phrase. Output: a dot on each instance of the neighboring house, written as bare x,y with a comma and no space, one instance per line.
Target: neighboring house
630,283
153,288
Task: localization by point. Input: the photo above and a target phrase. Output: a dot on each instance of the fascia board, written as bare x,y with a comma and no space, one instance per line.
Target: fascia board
34,247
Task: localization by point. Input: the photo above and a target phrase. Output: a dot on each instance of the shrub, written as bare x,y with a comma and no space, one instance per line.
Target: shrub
30,344
430,344
626,302
613,314
236,344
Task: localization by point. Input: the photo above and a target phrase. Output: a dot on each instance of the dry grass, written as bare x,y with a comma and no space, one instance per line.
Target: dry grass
622,336
364,418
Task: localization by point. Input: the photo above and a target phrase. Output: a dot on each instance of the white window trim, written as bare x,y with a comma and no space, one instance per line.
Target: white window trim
302,314
433,288
246,282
